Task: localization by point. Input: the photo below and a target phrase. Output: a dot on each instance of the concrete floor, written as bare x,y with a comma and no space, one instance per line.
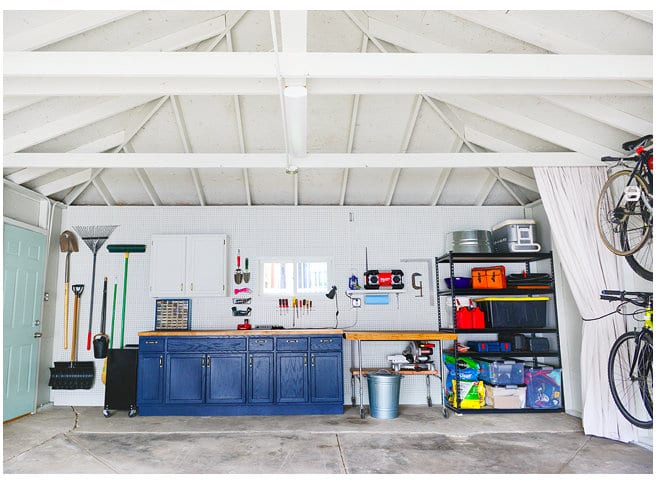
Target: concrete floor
79,440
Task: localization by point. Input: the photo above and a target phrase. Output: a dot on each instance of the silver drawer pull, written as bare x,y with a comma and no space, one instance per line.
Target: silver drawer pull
261,341
151,342
326,340
292,341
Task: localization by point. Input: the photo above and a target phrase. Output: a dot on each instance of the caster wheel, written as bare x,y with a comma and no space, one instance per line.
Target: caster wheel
445,413
106,413
132,412
429,402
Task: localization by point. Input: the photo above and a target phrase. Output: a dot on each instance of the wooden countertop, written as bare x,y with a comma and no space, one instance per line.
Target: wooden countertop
399,335
253,331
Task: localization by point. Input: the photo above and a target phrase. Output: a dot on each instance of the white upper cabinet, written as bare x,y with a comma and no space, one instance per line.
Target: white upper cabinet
188,265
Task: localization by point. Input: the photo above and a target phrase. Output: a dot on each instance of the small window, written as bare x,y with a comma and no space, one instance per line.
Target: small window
289,277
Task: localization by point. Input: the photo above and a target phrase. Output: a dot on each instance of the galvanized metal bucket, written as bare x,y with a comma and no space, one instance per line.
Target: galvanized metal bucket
384,394
470,241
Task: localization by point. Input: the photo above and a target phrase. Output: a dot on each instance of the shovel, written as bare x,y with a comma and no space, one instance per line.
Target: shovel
237,276
246,275
67,243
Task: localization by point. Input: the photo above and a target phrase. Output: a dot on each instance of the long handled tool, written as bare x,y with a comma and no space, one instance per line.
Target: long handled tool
67,243
73,374
127,249
101,340
94,237
237,275
114,303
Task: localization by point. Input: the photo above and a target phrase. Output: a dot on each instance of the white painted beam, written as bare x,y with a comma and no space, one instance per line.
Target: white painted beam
29,173
518,179
80,188
402,38
148,186
293,30
104,192
62,28
538,129
643,15
486,188
103,144
72,122
64,183
319,160
440,185
489,142
186,37
520,28
15,103
603,113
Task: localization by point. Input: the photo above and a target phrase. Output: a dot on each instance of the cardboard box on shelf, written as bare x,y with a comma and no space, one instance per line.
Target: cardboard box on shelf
505,397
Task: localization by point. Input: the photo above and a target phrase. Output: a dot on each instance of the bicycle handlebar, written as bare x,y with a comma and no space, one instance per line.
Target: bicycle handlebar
637,298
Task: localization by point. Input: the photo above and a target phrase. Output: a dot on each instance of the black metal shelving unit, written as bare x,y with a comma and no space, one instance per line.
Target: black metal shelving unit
526,258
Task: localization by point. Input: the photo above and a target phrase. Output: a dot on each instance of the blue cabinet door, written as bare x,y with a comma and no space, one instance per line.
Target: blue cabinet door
261,378
226,378
326,377
185,377
292,377
150,378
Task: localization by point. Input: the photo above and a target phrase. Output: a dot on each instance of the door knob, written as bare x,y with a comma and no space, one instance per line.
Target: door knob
37,323
37,335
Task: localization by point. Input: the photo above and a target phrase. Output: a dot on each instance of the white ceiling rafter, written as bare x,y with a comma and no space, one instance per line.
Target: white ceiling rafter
14,103
528,125
28,174
187,146
603,113
103,144
103,191
62,28
186,37
643,15
518,179
489,142
406,40
312,161
65,182
80,188
507,23
486,188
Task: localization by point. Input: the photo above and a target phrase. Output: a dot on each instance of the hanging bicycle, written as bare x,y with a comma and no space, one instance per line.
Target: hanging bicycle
630,364
625,206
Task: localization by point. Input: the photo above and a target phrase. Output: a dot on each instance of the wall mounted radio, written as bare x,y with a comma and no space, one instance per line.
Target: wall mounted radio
384,279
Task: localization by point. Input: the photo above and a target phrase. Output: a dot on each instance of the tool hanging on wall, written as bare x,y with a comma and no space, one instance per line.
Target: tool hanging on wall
101,340
246,275
67,243
114,303
127,249
417,286
73,374
237,275
94,237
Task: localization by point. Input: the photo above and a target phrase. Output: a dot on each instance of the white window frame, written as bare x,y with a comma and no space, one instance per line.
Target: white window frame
294,261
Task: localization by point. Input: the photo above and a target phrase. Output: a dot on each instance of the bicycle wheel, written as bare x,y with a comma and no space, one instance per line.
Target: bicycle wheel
642,261
632,390
622,220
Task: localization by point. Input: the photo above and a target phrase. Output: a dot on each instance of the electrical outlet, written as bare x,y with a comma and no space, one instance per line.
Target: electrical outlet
356,302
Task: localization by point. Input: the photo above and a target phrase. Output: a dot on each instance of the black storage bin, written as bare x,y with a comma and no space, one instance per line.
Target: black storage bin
505,312
121,380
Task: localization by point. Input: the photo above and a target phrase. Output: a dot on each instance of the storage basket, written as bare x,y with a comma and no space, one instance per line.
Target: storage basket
514,312
173,314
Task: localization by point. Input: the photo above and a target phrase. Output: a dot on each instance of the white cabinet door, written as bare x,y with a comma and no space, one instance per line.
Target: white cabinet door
168,259
206,265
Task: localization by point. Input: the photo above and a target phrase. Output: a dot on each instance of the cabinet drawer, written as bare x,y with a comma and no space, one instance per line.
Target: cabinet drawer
206,344
265,344
151,344
292,343
326,343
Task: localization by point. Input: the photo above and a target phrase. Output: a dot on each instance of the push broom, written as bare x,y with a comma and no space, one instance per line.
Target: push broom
127,249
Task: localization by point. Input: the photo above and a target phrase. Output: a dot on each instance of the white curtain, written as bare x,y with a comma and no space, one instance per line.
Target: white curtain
570,195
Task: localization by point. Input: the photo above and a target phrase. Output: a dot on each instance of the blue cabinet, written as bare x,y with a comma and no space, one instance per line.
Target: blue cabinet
240,375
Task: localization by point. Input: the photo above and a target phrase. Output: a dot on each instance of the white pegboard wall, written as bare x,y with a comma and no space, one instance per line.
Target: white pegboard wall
391,234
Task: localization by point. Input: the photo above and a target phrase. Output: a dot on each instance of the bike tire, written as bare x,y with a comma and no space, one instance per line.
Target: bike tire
633,394
642,262
629,218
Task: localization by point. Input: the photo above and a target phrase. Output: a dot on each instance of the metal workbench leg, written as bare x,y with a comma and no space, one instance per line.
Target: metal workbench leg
442,392
362,410
429,396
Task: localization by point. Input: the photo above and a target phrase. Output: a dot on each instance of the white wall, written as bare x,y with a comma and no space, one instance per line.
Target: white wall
342,233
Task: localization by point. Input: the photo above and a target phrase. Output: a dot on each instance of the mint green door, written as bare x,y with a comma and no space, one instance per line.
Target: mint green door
23,268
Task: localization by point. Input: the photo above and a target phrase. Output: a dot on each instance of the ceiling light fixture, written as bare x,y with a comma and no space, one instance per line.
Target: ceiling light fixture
295,100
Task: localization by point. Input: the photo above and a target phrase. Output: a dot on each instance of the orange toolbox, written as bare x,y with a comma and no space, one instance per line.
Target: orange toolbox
489,277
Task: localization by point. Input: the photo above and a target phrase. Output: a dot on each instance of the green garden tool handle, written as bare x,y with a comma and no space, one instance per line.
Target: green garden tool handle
114,304
123,307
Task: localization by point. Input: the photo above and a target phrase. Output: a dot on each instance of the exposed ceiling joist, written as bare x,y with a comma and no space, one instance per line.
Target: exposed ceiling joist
489,142
103,73
523,123
62,28
65,182
72,122
520,28
14,103
316,161
603,113
486,188
28,174
103,191
518,179
187,146
80,188
148,186
402,38
186,37
440,185
103,144
643,15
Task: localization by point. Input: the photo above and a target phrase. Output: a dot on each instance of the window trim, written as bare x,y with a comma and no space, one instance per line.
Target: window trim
294,261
